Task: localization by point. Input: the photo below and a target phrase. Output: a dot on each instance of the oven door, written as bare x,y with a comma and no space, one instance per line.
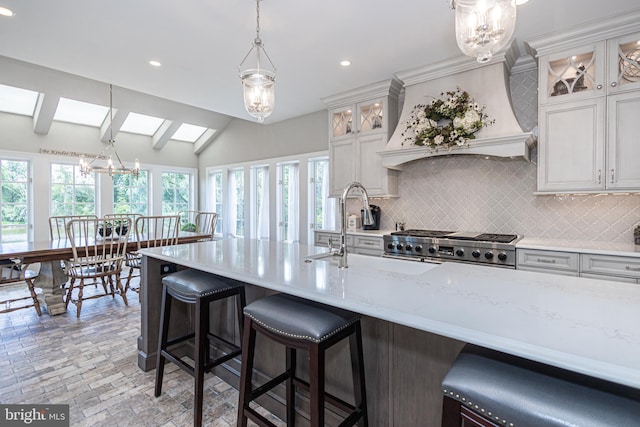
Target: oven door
413,258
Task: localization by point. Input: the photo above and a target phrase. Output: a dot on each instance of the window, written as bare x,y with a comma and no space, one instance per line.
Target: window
14,204
141,124
260,202
288,203
130,194
322,207
176,192
71,193
78,112
215,180
17,101
236,202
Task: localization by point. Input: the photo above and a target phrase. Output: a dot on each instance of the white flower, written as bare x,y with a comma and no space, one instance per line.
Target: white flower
439,139
458,122
460,142
421,114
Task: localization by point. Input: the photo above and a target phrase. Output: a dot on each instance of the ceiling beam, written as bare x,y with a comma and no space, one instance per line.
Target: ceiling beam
119,116
45,110
205,139
164,134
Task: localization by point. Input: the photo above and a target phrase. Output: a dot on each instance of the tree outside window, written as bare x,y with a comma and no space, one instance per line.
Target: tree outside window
71,192
217,193
14,202
176,192
130,194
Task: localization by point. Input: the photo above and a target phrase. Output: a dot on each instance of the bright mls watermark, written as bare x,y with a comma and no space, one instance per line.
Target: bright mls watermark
34,415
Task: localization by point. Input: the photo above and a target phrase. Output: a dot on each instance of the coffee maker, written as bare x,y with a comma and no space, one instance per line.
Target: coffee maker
375,213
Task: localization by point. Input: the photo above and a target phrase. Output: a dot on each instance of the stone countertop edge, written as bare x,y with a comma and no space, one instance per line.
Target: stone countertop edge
584,325
580,246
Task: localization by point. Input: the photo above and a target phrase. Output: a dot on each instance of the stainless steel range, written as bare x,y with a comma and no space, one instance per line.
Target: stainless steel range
438,246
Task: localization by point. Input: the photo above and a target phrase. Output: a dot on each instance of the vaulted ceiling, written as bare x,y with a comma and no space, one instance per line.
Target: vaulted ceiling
200,43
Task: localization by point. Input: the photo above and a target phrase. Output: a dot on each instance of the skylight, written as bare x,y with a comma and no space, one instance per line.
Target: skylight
82,113
17,101
141,124
188,133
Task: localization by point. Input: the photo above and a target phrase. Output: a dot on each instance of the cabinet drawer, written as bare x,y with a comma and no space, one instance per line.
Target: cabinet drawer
368,242
612,265
553,260
322,239
549,271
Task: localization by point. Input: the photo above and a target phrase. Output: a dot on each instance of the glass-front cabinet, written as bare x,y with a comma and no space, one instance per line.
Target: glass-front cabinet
589,103
360,124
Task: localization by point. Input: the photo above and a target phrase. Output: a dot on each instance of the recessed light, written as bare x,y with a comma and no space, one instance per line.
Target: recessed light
155,63
6,12
345,63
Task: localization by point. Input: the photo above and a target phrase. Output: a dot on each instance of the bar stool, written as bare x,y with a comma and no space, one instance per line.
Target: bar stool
199,288
299,324
489,388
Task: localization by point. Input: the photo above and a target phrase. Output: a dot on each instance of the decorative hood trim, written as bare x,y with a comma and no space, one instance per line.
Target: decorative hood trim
487,84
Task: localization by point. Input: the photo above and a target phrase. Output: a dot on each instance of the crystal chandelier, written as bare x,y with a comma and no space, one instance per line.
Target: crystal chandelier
88,167
258,84
483,27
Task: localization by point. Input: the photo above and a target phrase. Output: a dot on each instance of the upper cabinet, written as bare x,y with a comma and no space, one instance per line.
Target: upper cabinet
589,102
360,123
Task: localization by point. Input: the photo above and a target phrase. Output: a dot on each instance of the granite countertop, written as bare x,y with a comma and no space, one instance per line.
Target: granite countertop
584,325
581,246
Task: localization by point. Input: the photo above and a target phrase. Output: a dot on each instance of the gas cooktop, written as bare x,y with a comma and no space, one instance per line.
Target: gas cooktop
438,246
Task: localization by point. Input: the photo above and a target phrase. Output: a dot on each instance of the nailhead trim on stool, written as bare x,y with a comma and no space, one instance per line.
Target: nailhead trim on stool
513,392
198,288
300,324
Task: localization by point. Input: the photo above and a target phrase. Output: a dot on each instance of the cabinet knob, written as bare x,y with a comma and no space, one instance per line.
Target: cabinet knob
614,84
612,176
599,87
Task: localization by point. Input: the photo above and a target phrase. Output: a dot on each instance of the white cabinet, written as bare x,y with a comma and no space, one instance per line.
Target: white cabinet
357,244
606,266
555,262
589,101
360,124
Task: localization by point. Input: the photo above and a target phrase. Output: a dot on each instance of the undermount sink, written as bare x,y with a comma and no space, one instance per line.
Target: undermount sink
381,264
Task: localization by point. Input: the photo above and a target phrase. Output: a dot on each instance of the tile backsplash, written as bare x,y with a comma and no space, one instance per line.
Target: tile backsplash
472,193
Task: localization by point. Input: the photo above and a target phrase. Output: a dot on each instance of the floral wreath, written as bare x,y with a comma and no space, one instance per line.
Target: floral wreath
445,123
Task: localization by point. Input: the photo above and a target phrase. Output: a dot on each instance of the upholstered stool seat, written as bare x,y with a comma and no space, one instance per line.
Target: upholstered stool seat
299,324
484,385
199,288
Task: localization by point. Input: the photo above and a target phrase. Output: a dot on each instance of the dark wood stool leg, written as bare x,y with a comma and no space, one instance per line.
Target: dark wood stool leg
164,334
451,412
200,361
241,301
357,369
291,386
246,369
316,384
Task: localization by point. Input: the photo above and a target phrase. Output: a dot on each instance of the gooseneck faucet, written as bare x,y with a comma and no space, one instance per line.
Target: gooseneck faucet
368,219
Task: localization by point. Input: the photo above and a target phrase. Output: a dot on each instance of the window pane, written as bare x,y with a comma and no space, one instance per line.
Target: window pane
130,194
176,192
14,200
71,193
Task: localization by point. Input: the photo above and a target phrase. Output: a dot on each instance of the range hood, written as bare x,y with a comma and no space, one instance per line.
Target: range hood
487,84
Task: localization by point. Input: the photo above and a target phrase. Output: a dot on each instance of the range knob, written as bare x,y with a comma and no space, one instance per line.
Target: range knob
502,256
460,252
418,248
432,249
488,255
476,253
409,247
399,246
390,246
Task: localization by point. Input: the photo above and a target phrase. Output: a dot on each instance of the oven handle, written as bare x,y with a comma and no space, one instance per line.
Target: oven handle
414,259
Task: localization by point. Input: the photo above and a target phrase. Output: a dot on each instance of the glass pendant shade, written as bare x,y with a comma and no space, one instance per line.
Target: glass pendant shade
259,91
483,27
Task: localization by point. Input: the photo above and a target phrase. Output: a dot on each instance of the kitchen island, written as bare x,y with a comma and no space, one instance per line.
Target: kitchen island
418,316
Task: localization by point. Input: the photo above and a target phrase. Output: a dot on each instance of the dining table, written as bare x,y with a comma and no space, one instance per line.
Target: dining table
49,254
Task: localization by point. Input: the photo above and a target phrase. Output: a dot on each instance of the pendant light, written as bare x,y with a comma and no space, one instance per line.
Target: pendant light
258,84
88,167
483,27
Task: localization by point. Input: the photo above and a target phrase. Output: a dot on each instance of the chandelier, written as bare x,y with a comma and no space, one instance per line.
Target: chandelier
483,27
88,167
258,84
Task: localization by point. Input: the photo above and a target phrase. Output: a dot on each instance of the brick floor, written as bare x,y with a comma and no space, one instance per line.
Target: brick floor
90,363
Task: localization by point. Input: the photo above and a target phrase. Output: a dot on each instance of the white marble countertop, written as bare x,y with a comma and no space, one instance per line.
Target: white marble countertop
360,232
581,246
585,325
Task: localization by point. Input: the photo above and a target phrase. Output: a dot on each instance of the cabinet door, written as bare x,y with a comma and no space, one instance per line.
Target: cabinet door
369,168
371,116
341,123
624,63
342,157
571,146
572,74
623,143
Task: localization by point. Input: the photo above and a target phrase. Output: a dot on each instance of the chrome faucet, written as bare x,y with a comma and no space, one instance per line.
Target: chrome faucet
368,220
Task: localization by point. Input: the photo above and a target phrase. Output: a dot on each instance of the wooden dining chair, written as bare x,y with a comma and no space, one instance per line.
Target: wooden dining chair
117,220
12,272
201,222
58,225
151,232
97,254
